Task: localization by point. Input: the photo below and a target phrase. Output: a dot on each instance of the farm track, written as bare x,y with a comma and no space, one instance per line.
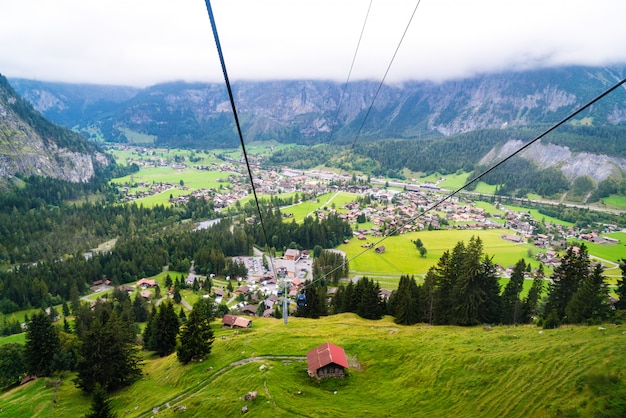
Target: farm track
199,387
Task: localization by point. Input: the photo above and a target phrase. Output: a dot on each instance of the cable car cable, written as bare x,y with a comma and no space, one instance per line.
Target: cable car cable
234,108
382,81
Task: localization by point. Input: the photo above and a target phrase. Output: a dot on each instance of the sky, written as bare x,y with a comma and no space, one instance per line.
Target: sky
145,42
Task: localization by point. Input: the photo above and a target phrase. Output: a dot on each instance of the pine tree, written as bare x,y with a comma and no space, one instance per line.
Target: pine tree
100,404
468,293
108,356
408,310
529,309
196,338
621,286
42,343
566,279
590,303
166,329
511,305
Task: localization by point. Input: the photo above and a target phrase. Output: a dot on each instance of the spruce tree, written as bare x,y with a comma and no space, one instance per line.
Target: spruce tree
166,329
468,293
196,338
621,287
42,343
108,356
566,279
511,305
407,309
529,308
590,303
100,404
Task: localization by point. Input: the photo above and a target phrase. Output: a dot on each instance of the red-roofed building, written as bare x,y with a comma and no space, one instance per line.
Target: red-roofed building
327,360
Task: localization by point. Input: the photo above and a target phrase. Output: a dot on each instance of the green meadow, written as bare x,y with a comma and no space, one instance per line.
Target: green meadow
401,256
395,371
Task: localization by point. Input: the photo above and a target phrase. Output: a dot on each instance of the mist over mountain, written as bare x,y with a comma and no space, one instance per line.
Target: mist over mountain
308,112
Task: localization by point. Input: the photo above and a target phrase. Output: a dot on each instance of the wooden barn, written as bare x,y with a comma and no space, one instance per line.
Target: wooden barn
327,360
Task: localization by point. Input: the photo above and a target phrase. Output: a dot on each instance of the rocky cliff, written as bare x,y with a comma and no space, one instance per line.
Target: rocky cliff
29,144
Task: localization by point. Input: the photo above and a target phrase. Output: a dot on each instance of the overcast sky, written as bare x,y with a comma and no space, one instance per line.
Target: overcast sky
143,42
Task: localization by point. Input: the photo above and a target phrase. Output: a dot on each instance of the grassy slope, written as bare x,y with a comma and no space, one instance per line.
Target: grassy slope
396,371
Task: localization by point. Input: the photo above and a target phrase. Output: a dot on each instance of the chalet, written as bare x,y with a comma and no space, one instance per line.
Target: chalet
380,250
513,238
233,321
145,283
242,290
292,254
249,309
327,360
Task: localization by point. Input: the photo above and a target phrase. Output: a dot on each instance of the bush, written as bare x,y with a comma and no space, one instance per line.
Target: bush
552,320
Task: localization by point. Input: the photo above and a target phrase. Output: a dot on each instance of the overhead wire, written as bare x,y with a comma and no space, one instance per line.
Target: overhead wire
345,85
238,125
476,178
382,81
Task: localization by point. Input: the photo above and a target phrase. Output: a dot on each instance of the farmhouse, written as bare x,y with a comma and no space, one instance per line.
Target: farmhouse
232,321
292,254
327,360
145,283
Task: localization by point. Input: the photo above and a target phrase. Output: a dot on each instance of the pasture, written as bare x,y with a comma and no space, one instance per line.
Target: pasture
401,256
394,371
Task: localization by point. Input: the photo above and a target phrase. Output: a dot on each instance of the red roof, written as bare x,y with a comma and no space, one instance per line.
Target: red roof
324,355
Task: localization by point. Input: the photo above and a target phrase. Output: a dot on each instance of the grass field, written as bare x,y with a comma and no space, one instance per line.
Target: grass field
401,256
615,201
395,371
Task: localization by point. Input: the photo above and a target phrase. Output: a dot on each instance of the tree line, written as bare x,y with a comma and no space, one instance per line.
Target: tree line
463,289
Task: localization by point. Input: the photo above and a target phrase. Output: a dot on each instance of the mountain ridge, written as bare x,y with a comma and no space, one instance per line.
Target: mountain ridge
305,111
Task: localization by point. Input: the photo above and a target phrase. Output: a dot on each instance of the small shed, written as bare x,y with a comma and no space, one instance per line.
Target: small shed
232,321
327,360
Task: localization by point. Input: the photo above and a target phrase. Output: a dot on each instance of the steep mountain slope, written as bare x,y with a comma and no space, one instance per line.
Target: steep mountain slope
30,144
199,115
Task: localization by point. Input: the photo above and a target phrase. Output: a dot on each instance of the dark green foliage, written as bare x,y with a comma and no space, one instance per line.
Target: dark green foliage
165,329
108,355
552,320
42,343
326,233
529,308
100,404
566,279
315,301
140,309
590,303
511,304
621,286
12,365
462,288
407,303
330,265
196,337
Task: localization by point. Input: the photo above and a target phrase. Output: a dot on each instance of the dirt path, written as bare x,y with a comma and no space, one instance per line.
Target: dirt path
200,386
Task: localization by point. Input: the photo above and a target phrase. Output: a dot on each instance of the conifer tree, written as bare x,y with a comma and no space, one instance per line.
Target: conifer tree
621,286
511,305
591,300
407,309
42,343
196,338
566,279
529,310
166,329
100,404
